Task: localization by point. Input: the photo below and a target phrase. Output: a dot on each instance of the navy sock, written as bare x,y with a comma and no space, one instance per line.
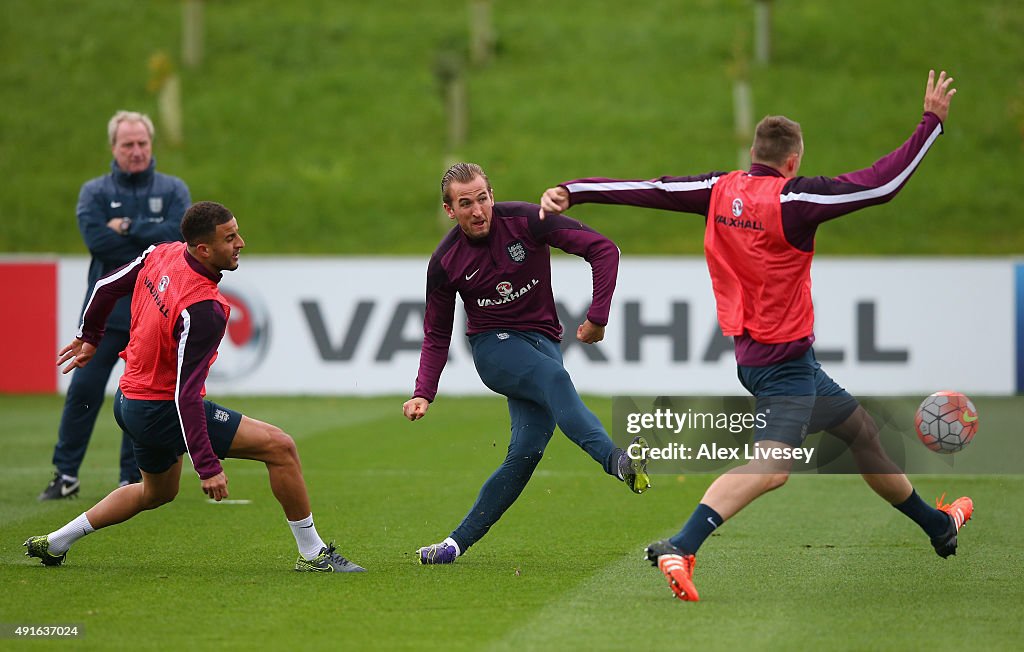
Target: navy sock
701,524
614,464
932,521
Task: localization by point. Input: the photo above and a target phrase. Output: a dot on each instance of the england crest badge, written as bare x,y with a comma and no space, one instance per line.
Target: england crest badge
516,251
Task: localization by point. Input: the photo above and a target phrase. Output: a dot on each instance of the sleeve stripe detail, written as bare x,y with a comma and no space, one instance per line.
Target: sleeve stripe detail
871,193
671,186
110,279
185,328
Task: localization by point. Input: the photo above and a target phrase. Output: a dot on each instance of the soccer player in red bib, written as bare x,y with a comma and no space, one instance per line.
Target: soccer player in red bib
178,320
759,242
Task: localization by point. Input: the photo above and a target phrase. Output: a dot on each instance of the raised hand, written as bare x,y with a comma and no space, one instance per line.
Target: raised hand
937,94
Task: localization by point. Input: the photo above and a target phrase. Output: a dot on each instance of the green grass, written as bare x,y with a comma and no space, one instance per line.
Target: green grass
821,564
321,124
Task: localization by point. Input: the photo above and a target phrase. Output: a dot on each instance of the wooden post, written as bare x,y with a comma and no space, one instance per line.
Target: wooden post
763,31
165,82
170,110
481,32
449,70
458,114
192,33
743,110
1017,109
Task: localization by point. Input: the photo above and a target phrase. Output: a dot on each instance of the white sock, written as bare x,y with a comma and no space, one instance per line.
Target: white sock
60,540
451,542
309,542
68,478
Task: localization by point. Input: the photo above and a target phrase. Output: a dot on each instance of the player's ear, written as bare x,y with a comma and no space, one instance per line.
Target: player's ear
792,163
448,209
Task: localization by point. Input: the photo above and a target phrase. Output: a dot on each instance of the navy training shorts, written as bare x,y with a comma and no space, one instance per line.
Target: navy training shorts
156,431
796,398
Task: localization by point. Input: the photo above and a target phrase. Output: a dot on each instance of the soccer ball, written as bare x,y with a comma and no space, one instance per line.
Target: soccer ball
946,422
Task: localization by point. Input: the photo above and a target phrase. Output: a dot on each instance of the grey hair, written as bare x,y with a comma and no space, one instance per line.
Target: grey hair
128,116
463,173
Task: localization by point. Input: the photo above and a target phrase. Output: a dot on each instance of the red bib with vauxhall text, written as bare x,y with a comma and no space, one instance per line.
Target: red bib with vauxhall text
165,288
762,283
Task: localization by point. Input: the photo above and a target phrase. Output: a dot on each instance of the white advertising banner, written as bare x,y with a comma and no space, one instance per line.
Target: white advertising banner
308,325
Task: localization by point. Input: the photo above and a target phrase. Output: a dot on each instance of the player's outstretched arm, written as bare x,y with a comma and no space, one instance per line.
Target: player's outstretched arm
938,94
416,408
554,200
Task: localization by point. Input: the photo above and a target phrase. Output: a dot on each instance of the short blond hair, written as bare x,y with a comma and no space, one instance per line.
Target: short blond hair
463,173
128,116
775,138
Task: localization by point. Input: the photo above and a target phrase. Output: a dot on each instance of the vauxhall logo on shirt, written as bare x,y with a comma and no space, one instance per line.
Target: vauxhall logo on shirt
155,293
735,221
508,293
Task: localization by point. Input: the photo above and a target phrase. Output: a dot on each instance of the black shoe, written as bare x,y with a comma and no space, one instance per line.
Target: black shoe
59,488
659,548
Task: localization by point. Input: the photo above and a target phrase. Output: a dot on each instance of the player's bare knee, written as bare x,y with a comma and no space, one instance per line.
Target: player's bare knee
282,448
154,499
865,436
773,481
869,438
858,431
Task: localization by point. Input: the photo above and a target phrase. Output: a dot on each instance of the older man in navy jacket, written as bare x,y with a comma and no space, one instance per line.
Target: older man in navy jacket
119,215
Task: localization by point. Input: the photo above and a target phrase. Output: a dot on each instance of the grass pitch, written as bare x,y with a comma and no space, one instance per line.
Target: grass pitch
311,108
821,563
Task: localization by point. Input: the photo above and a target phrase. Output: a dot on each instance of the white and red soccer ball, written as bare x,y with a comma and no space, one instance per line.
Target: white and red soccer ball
946,422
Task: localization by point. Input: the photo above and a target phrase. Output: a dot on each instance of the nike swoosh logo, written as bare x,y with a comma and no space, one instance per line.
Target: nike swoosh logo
969,418
712,522
305,527
66,491
115,204
469,276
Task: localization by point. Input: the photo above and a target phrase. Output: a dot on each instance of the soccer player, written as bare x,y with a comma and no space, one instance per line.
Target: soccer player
759,242
497,257
178,320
